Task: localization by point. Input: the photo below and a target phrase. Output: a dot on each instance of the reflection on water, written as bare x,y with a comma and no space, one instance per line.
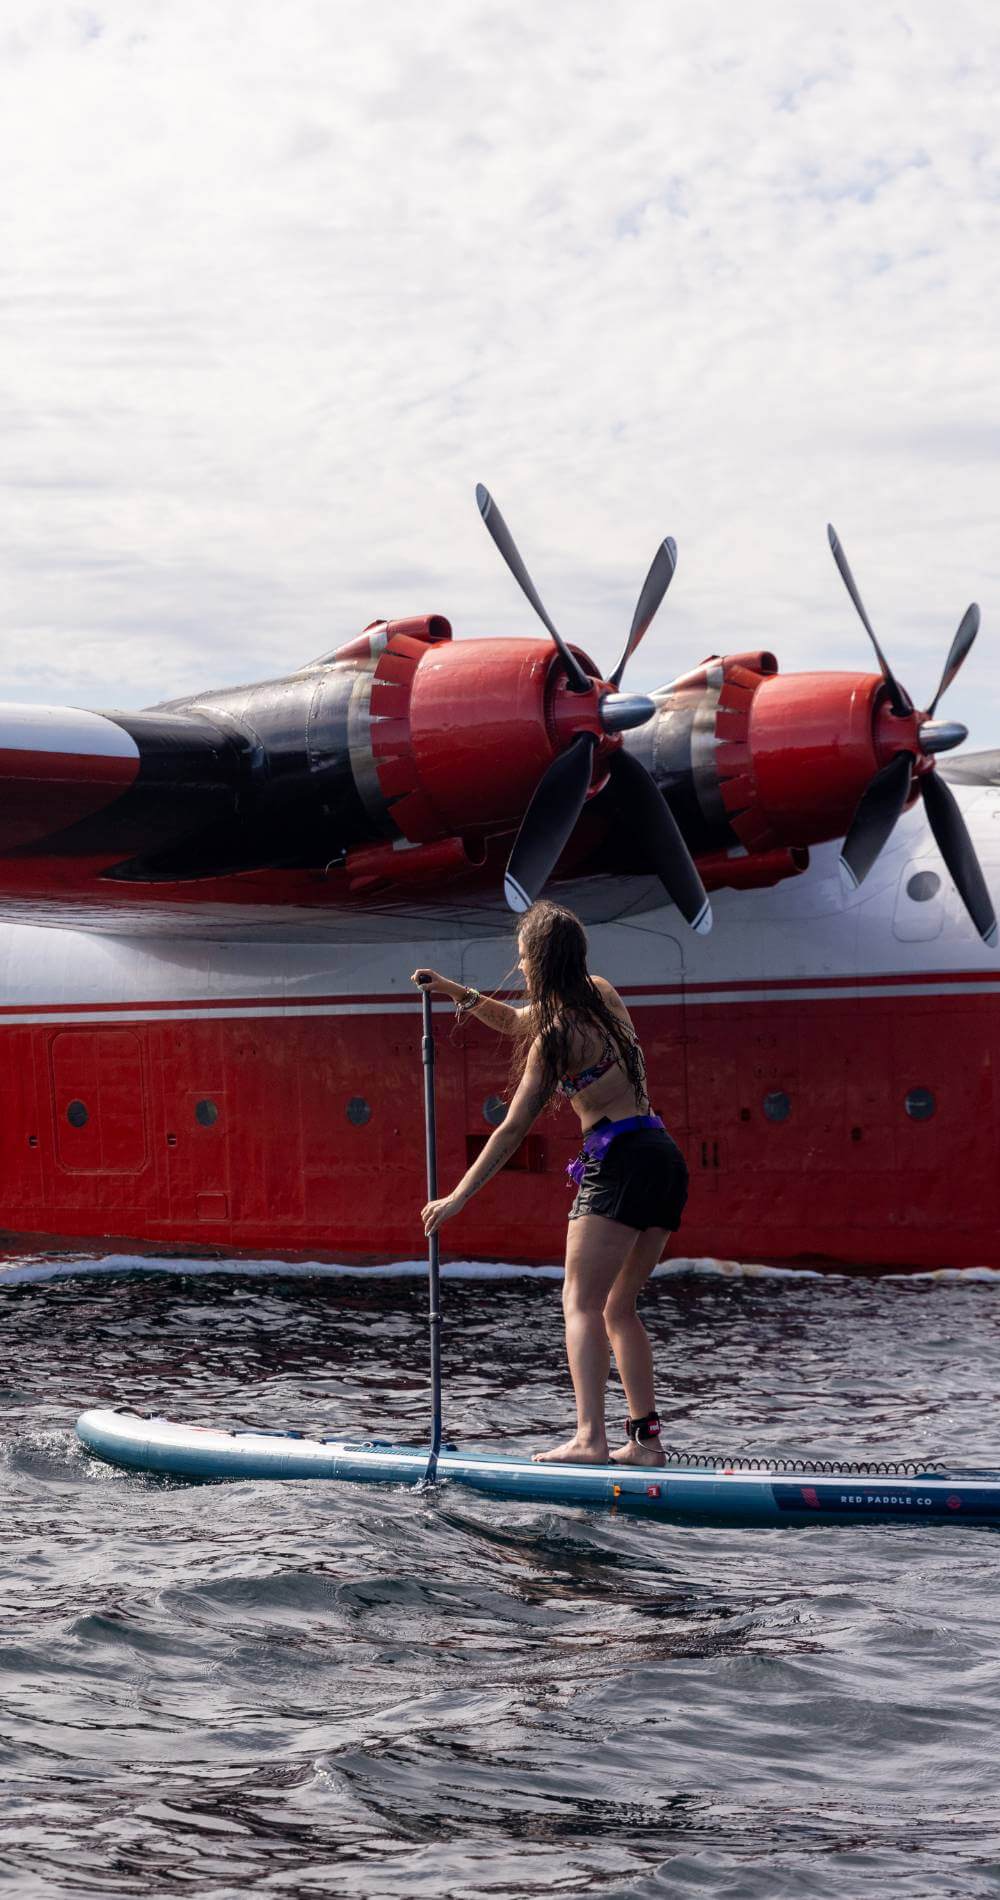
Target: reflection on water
313,1689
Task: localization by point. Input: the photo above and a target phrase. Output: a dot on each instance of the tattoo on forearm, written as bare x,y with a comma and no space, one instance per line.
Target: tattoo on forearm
496,1015
501,1145
485,1167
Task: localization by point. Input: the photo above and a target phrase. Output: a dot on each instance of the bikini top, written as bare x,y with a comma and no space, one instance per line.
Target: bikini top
572,1084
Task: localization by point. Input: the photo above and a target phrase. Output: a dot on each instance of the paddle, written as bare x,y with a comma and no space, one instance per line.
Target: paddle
433,1249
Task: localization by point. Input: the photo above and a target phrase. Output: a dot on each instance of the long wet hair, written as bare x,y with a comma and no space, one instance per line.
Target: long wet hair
563,998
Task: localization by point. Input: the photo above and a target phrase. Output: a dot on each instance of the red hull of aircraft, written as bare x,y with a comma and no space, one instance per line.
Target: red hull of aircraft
237,1126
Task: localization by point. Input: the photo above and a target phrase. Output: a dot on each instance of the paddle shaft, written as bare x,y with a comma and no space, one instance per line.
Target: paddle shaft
433,1247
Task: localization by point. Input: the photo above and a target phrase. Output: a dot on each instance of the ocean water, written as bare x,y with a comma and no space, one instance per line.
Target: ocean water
316,1689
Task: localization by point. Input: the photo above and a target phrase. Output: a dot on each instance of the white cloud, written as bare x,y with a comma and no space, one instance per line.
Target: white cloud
279,285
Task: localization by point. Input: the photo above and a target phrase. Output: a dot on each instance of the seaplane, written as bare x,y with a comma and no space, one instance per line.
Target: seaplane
211,909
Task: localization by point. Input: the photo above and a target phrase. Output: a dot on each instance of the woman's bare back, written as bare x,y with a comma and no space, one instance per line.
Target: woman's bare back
610,1094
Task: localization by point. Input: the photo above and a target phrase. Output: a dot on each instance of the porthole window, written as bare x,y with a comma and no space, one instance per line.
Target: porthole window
922,886
920,1105
777,1106
358,1111
206,1113
77,1115
494,1110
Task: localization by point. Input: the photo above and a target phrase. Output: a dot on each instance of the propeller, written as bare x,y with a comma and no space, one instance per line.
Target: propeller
579,681
886,796
561,793
547,825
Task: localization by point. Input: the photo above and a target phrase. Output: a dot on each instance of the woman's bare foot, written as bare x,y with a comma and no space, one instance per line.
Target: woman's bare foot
576,1451
648,1452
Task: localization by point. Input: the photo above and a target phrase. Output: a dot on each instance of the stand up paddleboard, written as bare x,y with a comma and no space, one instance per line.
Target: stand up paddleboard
739,1490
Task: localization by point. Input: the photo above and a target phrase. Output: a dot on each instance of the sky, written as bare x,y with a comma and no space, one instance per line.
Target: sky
279,285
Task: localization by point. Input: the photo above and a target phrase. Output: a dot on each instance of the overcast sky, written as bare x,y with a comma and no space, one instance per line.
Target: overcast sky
279,284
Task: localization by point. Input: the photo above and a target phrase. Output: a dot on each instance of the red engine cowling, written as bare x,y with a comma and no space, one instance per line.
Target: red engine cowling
458,736
748,756
816,741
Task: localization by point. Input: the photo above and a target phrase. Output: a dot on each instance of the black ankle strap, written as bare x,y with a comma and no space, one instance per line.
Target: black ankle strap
643,1429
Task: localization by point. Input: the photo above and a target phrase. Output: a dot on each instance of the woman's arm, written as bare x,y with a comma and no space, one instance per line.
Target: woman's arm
503,1016
529,1100
506,1017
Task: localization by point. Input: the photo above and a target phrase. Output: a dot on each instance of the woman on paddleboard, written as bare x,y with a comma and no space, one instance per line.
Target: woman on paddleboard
631,1177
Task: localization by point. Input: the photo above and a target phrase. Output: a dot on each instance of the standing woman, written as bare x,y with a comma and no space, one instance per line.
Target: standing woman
577,1036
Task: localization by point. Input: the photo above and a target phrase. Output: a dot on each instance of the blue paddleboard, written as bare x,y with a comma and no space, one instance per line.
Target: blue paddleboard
742,1490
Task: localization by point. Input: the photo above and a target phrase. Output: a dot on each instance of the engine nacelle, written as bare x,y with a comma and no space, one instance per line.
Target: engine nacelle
447,739
404,760
747,756
816,741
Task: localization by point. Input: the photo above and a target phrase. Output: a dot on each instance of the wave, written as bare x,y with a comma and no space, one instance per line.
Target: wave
30,1271
37,1270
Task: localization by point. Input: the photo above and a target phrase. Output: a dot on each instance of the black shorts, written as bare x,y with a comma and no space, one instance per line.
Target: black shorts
641,1181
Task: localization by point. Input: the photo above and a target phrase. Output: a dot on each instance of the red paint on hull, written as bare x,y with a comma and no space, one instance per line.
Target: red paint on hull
41,792
848,1176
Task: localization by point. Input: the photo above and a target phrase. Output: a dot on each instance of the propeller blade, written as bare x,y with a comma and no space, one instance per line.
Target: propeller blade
651,819
654,587
952,839
968,629
881,805
547,825
577,679
900,700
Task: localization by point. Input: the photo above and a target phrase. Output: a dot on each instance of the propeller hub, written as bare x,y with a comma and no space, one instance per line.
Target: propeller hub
621,712
941,735
894,732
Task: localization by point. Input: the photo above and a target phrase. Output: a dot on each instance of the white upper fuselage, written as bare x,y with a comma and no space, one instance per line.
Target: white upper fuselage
807,927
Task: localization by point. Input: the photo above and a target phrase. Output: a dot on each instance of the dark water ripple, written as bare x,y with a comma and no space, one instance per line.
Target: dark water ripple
312,1689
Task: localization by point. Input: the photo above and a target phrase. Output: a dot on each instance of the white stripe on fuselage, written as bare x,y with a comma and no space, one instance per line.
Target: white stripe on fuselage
63,729
190,1011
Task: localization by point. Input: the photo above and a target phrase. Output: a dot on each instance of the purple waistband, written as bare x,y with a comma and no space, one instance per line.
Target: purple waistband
597,1141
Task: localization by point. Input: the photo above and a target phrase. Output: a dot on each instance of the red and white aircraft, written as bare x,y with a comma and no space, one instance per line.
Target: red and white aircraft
213,908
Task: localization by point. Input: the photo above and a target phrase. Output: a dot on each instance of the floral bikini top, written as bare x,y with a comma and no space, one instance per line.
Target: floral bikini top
572,1084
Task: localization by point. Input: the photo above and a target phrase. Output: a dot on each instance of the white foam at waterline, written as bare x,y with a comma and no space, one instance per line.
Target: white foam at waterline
976,1274
67,1267
739,1270
107,1266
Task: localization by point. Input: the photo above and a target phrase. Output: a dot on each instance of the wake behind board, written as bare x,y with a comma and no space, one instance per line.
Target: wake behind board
742,1490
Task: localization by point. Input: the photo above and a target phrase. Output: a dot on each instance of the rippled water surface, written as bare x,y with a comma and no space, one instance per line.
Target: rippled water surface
310,1689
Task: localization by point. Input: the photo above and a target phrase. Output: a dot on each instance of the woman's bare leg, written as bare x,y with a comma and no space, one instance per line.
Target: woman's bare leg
630,1340
596,1250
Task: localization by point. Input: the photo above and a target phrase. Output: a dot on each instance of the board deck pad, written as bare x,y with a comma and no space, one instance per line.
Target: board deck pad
690,1486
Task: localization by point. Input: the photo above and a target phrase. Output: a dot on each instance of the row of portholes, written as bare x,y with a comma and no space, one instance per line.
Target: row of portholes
777,1104
918,1103
206,1113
